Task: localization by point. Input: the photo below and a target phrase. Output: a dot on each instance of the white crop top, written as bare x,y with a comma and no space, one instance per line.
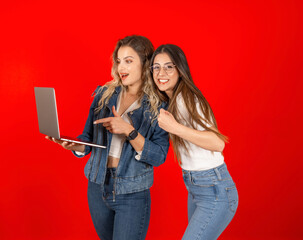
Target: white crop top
197,158
119,139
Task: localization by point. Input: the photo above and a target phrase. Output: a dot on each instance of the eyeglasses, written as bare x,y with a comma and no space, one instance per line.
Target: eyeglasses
169,69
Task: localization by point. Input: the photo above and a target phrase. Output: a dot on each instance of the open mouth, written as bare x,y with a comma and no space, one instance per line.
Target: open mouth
123,76
163,81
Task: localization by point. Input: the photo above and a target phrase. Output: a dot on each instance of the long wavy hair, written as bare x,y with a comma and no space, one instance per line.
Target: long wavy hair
191,95
144,48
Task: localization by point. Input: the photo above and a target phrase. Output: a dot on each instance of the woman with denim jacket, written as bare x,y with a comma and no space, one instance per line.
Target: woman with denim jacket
123,117
198,146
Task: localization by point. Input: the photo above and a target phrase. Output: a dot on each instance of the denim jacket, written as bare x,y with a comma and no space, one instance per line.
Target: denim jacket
134,172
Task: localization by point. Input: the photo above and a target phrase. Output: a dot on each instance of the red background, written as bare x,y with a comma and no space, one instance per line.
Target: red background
245,56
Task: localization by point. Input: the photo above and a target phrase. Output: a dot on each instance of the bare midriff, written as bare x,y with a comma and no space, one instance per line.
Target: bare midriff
112,162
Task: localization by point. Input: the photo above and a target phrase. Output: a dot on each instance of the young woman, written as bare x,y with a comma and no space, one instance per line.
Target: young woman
198,145
123,116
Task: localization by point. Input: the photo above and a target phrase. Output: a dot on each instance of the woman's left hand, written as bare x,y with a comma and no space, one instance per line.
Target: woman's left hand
115,124
167,121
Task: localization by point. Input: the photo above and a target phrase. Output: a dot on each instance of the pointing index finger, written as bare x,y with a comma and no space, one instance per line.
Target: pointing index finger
103,120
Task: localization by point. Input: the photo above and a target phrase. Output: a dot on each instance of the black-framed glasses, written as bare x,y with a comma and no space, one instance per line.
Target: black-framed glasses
169,68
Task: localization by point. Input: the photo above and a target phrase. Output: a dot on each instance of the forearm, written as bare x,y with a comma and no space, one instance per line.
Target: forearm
78,148
155,147
154,152
204,139
138,143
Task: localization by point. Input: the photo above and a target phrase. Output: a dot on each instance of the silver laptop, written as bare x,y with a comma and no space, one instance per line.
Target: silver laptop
48,116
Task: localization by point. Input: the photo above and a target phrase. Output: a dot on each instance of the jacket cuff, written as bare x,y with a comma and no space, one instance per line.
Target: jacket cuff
87,150
144,152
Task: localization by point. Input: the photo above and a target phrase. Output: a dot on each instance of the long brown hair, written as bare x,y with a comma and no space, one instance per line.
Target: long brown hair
191,95
144,48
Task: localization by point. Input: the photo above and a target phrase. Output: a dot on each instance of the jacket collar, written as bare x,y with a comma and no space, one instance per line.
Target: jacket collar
113,99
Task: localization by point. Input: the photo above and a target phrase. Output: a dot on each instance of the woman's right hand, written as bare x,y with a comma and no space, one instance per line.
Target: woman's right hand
167,121
68,145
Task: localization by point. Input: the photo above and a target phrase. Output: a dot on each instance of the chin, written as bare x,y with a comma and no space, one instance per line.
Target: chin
125,83
162,88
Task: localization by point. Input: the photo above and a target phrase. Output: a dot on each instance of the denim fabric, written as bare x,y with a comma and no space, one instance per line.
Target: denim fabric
212,202
133,174
120,217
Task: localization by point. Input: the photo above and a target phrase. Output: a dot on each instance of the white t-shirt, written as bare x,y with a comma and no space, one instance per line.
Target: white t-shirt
197,158
119,139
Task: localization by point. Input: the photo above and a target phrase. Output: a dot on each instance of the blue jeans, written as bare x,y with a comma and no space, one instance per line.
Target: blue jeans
118,217
212,202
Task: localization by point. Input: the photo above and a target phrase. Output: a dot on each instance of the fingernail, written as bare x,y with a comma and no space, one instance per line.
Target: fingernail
95,122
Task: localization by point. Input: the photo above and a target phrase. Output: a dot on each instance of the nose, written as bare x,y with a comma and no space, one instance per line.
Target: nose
121,67
162,72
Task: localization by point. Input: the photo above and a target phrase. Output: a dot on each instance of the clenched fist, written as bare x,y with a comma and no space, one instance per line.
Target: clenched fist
167,121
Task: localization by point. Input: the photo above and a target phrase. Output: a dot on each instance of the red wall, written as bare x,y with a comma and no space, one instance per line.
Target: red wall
245,56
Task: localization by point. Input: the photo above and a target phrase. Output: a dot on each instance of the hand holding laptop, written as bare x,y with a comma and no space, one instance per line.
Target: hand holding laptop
49,123
68,145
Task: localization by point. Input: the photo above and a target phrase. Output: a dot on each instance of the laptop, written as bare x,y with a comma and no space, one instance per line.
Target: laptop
48,116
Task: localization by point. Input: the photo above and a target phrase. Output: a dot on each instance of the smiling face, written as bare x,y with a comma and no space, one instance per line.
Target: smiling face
165,81
129,67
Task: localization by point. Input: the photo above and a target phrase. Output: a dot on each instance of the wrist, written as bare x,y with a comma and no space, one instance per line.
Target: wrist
177,129
79,148
133,135
129,130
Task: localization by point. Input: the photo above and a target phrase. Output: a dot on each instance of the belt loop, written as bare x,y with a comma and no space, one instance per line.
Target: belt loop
112,172
218,173
106,181
190,177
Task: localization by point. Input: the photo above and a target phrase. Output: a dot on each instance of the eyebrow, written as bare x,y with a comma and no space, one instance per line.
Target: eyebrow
165,63
127,57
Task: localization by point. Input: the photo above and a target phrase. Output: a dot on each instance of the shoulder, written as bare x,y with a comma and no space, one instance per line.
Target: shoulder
181,103
145,103
99,90
97,94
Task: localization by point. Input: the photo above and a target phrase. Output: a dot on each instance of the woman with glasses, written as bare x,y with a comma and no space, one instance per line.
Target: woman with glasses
123,116
198,146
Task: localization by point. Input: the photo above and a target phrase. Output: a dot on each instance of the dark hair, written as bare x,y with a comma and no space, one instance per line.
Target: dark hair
191,95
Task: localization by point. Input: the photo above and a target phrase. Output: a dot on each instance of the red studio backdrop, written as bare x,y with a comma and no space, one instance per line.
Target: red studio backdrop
246,58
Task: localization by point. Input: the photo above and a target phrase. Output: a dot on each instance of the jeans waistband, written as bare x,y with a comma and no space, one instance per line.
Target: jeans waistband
218,171
110,173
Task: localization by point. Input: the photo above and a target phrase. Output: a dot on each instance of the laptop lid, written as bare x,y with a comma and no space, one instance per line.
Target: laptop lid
47,112
48,116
